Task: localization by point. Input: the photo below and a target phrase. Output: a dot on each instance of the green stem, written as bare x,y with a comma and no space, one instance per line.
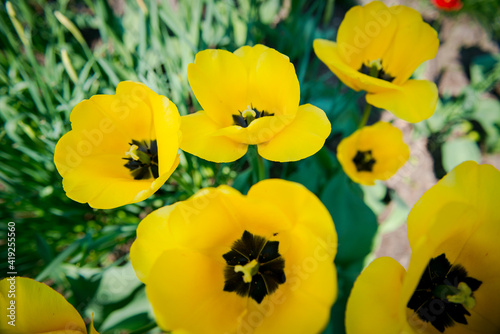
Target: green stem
256,163
188,188
261,172
366,114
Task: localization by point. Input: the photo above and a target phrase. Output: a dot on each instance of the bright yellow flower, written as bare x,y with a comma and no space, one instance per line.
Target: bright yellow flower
121,149
222,262
250,97
452,284
374,152
377,50
32,307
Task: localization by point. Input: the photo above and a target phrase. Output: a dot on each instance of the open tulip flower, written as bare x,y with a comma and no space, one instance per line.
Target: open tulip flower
121,149
452,284
374,152
32,307
250,97
222,262
377,50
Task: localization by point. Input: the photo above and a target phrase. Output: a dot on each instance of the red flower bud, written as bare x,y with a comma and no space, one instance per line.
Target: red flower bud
447,5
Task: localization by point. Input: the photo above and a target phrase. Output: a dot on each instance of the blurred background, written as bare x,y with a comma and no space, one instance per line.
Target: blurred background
54,54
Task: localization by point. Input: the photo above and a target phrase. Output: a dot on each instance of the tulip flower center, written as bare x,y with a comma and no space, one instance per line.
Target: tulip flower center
254,267
142,159
444,295
248,115
364,161
375,69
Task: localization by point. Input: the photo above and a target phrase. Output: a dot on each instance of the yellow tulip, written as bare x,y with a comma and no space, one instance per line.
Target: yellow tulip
451,285
222,262
250,97
32,307
374,152
377,50
121,149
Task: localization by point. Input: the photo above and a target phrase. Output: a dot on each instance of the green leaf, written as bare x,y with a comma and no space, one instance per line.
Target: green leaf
355,223
459,150
268,10
136,314
117,284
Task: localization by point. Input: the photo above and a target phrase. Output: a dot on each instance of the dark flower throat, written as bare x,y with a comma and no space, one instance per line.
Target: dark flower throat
431,300
254,268
146,166
364,161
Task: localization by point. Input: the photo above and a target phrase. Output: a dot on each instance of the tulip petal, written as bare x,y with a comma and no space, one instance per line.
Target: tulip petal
125,111
109,180
153,238
303,137
186,224
261,130
366,33
219,81
164,112
199,285
272,82
309,316
415,101
373,306
299,205
199,138
92,328
329,53
38,309
414,42
467,184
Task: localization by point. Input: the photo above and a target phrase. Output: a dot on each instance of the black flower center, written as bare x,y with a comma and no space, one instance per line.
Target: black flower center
248,115
142,159
364,161
376,70
254,268
444,294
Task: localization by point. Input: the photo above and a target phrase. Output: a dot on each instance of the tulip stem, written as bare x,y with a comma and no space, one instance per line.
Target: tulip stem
261,173
366,114
257,164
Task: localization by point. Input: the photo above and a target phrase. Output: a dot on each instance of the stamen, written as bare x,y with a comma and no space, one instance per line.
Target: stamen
248,270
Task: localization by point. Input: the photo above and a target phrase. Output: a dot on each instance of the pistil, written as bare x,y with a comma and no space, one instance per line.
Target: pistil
248,270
